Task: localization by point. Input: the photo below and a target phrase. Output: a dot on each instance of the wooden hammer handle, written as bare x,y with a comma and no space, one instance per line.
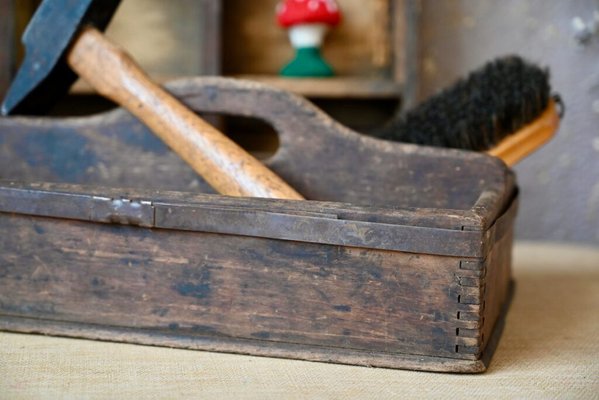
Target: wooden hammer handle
221,162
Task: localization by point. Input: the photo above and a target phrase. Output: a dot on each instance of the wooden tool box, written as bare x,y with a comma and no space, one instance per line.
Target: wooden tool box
400,259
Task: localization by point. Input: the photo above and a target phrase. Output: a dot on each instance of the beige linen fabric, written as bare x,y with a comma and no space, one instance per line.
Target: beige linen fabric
549,349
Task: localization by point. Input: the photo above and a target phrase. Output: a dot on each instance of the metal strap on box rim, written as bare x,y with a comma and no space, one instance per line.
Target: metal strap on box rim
316,228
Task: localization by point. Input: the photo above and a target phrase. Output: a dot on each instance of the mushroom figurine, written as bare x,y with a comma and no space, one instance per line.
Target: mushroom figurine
307,22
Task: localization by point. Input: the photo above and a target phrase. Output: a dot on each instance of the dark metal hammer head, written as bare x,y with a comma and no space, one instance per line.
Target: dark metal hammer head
44,76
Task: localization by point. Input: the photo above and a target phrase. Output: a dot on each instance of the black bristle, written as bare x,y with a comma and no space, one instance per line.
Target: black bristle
478,111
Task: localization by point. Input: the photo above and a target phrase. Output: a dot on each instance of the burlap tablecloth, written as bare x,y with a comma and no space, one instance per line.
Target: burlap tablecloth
549,349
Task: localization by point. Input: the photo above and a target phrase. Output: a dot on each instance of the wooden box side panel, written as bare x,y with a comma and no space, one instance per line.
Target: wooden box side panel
229,287
496,285
484,294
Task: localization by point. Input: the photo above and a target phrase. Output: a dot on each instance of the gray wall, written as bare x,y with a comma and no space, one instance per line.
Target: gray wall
560,182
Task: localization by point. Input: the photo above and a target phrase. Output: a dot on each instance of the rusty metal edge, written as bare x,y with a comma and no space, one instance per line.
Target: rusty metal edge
227,220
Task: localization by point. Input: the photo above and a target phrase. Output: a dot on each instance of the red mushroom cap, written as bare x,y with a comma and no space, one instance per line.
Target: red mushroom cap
293,12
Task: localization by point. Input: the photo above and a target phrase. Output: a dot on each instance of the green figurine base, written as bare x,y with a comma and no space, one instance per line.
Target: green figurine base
307,63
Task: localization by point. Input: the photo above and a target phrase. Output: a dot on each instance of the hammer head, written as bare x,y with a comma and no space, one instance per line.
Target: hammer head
44,75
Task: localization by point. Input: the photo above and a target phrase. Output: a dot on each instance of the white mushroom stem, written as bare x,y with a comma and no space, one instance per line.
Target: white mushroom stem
307,35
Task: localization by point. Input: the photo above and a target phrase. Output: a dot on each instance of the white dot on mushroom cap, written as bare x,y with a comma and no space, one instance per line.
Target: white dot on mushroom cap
331,6
313,5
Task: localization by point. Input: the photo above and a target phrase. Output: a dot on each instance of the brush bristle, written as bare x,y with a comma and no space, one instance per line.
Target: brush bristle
478,111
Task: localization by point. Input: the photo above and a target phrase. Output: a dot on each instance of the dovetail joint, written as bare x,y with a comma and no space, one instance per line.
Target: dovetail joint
469,313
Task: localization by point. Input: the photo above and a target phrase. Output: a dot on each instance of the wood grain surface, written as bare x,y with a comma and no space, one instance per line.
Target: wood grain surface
317,156
394,262
244,294
548,350
225,165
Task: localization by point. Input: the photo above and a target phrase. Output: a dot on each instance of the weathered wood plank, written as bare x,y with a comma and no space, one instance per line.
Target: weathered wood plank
320,158
325,284
240,346
312,227
424,217
232,286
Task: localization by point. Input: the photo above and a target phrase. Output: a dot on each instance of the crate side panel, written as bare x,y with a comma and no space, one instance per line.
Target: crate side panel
496,286
211,285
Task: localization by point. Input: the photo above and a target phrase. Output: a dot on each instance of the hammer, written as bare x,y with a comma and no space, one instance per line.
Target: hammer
63,40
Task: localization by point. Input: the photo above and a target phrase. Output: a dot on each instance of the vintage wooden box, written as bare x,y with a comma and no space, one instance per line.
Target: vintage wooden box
401,259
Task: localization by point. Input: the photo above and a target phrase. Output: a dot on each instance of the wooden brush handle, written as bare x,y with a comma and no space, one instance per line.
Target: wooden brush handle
529,138
221,162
